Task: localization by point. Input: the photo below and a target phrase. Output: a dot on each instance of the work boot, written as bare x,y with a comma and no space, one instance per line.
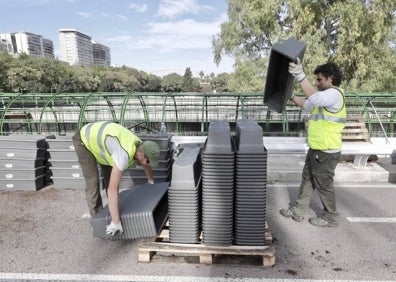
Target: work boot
113,228
291,214
320,222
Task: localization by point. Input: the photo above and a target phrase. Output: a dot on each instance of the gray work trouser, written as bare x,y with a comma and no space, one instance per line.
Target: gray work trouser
318,173
90,171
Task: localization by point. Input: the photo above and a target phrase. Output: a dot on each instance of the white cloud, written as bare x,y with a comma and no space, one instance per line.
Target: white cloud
120,39
174,8
186,27
167,36
84,14
162,45
171,36
138,8
122,17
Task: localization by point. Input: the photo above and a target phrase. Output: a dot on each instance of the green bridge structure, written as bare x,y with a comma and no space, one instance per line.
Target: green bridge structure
184,114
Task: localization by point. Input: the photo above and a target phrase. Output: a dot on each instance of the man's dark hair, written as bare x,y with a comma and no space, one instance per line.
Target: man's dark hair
330,70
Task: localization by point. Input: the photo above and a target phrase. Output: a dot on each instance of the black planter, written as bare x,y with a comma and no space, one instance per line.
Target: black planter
280,83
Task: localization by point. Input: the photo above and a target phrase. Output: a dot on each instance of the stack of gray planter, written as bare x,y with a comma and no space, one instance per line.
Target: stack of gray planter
250,184
184,197
136,175
218,159
23,162
143,211
66,171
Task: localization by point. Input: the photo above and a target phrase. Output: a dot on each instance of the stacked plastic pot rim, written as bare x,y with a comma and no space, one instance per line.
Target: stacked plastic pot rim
231,202
218,162
184,196
234,178
250,184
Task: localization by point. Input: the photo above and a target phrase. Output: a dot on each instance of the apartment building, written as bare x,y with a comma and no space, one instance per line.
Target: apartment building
5,46
101,54
77,48
29,43
48,48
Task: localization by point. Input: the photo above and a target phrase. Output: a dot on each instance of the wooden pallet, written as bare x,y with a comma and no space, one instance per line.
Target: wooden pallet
355,130
152,247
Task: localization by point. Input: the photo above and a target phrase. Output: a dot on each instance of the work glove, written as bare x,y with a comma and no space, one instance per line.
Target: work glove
296,70
114,228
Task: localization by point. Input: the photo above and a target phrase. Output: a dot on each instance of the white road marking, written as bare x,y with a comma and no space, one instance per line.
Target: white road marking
135,278
373,219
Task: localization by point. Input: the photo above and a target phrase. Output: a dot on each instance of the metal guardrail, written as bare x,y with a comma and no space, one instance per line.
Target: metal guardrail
183,113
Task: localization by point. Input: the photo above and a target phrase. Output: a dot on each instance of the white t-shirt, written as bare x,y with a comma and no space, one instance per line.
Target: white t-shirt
118,154
329,99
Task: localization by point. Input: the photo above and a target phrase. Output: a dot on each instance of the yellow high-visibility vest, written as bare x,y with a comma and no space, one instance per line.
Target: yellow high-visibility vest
94,134
325,128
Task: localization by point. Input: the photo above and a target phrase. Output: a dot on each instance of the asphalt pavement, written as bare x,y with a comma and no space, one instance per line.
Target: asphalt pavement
44,238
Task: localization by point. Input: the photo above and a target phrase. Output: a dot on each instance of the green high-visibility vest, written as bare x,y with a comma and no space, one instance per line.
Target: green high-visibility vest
94,134
325,128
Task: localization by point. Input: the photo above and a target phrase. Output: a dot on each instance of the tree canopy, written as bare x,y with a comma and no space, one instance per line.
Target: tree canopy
32,74
358,35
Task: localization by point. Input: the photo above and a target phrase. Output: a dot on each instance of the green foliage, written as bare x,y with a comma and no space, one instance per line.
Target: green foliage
172,82
86,80
68,84
249,76
18,76
151,83
5,63
187,80
33,74
357,35
220,82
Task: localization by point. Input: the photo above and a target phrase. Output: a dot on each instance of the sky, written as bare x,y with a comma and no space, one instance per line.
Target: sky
155,36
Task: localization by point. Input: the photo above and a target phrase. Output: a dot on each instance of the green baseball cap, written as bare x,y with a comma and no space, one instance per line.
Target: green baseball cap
152,151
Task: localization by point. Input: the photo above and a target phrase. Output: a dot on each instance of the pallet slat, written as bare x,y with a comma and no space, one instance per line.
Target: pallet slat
147,250
355,130
150,246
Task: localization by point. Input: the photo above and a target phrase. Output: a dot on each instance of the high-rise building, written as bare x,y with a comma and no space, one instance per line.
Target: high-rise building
6,39
101,54
29,43
48,48
5,46
75,47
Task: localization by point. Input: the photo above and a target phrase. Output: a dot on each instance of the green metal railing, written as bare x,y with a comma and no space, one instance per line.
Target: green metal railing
183,113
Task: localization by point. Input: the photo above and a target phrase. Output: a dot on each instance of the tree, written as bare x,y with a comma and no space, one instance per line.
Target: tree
187,81
127,82
5,64
201,76
106,85
20,77
220,82
247,78
68,84
114,80
149,82
87,81
51,71
355,34
172,82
